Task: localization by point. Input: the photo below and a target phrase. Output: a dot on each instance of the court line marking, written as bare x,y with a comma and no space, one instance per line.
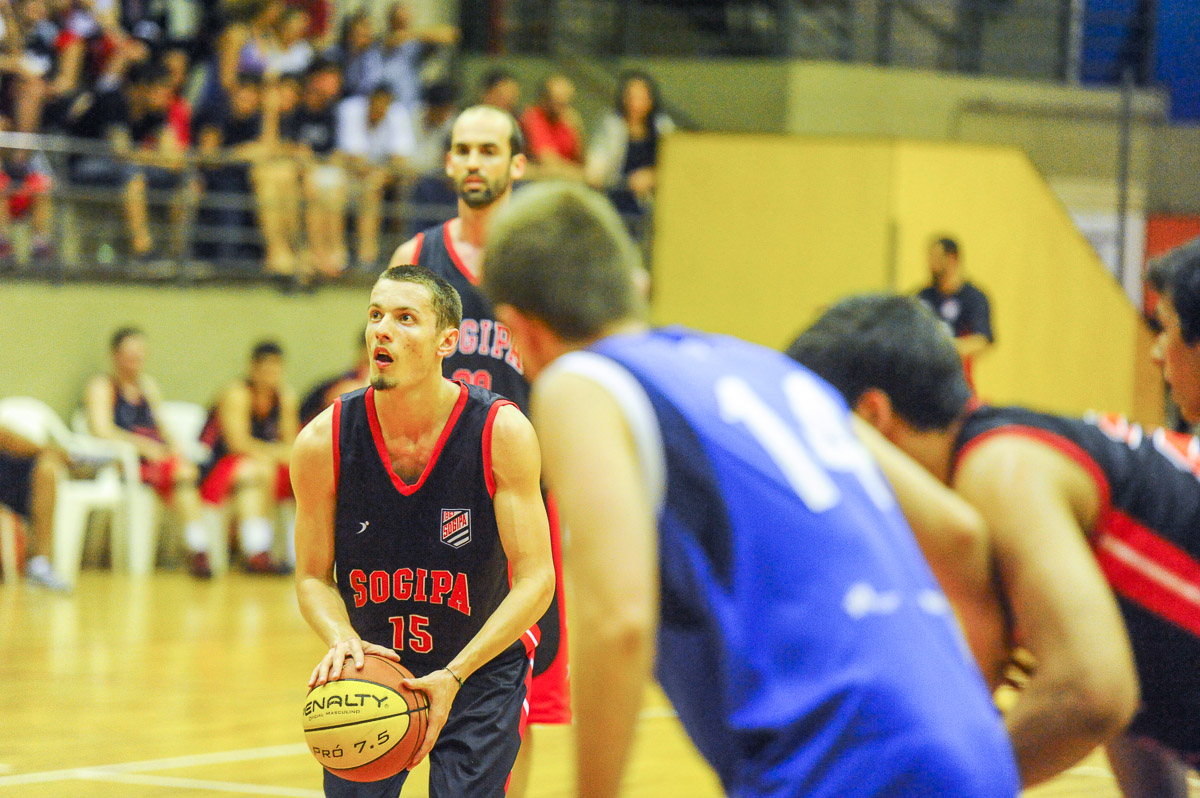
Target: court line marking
193,760
214,758
197,784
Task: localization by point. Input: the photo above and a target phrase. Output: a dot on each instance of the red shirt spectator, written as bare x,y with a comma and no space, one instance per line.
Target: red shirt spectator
557,136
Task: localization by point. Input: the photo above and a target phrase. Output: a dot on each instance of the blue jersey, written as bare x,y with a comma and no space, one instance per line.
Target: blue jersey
803,639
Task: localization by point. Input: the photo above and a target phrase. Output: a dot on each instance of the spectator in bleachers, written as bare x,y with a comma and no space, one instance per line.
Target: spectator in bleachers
132,118
358,55
434,199
55,55
375,138
405,48
623,156
241,49
311,134
552,127
319,14
245,154
29,475
125,405
432,125
250,431
179,112
25,193
293,53
500,88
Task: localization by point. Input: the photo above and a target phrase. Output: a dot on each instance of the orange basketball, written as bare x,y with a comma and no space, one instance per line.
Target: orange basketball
366,725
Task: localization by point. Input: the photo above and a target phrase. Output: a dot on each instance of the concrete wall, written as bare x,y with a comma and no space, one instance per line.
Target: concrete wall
56,337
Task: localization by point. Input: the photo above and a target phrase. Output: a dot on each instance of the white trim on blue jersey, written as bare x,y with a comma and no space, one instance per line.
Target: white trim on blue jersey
634,404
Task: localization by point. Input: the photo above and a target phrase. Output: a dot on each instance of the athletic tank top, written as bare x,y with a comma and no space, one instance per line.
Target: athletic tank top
801,632
263,427
135,417
1146,540
485,355
420,567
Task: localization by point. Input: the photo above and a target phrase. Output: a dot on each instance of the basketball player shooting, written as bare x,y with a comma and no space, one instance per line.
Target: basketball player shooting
416,497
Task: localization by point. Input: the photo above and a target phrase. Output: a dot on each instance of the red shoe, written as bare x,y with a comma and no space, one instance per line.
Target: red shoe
263,563
199,566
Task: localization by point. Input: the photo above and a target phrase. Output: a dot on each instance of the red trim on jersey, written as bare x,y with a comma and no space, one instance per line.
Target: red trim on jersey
1054,441
381,446
337,432
550,703
419,238
471,278
488,476
1149,570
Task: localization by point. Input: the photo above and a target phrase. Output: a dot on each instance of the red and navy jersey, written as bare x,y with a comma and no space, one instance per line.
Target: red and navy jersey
135,417
1146,540
485,355
420,567
263,427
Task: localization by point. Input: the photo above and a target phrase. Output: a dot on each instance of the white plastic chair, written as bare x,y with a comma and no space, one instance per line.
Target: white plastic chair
185,421
8,546
77,498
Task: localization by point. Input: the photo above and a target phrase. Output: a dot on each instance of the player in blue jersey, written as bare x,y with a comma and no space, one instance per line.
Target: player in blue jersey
800,635
421,536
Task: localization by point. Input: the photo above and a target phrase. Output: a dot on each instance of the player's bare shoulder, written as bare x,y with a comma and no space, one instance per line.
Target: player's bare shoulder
312,454
406,253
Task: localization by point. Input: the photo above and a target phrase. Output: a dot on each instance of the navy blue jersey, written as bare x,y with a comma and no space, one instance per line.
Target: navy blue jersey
135,417
1146,540
802,638
263,427
485,354
420,567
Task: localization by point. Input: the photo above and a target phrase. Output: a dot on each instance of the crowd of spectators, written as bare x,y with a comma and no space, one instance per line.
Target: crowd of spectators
257,129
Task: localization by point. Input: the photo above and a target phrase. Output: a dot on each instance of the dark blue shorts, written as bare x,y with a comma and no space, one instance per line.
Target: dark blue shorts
16,482
475,752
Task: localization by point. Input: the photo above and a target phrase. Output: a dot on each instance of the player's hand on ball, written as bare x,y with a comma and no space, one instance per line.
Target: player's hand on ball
330,666
441,687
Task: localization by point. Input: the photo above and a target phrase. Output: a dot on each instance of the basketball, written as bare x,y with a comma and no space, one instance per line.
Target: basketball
366,725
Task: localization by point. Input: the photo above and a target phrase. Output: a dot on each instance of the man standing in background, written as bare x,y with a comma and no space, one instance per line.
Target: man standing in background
959,303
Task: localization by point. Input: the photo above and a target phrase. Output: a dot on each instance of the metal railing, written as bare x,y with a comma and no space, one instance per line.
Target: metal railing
201,233
1062,40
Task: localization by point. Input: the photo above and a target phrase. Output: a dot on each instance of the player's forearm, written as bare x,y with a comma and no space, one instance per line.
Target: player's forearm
1057,721
323,608
525,603
606,699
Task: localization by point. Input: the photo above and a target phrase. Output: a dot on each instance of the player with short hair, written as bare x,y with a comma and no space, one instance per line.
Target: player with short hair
486,156
421,536
1075,507
1176,277
250,432
800,635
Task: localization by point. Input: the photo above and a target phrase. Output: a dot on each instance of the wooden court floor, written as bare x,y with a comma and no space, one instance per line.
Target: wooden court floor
169,687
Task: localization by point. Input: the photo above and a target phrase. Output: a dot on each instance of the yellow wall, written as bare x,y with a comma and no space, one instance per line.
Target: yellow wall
55,337
756,234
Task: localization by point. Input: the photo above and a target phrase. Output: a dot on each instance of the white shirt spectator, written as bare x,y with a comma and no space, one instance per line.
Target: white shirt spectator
293,61
432,143
392,137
